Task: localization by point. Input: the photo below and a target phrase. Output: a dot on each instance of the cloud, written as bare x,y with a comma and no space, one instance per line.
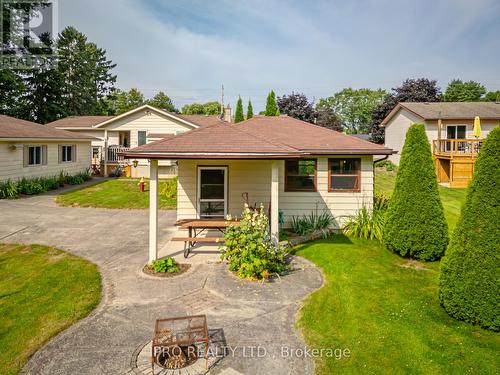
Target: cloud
188,48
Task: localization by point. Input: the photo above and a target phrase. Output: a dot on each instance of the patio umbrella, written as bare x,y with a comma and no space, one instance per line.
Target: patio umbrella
476,132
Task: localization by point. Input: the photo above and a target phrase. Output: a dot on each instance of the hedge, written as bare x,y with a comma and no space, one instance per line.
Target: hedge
415,224
469,283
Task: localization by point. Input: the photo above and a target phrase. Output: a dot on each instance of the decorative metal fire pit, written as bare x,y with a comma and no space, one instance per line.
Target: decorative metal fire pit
177,342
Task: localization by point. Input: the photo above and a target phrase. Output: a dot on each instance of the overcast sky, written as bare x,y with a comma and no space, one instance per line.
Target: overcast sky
189,48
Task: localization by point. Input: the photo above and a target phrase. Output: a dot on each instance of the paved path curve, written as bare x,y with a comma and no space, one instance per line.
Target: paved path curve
250,314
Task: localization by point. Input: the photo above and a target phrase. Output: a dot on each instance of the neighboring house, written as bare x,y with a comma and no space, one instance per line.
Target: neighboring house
282,162
115,134
453,145
33,150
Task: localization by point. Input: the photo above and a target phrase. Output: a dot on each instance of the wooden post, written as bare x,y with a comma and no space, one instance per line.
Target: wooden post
105,154
275,226
153,210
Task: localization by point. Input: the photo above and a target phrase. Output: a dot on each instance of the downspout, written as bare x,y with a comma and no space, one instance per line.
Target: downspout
376,161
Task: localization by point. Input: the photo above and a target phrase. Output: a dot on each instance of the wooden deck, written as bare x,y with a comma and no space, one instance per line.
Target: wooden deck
455,159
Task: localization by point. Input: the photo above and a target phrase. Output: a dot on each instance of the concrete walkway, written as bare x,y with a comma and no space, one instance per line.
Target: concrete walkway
249,314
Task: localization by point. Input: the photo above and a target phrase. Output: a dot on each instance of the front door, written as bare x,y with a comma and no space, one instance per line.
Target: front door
212,192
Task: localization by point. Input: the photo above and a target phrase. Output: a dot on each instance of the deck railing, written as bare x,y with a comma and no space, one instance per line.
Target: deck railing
113,151
459,147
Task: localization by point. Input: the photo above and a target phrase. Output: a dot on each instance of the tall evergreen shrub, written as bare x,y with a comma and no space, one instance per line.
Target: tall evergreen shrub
470,275
238,115
271,105
415,223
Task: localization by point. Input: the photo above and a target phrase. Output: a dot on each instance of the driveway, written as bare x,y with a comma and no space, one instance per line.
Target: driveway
249,314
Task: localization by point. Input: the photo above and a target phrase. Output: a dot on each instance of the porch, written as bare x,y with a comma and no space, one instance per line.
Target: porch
455,159
106,159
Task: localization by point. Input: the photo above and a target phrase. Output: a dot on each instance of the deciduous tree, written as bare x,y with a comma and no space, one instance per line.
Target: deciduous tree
354,107
469,91
412,90
161,100
296,105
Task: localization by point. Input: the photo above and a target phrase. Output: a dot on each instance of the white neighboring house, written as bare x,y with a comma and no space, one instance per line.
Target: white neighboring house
28,150
449,127
142,125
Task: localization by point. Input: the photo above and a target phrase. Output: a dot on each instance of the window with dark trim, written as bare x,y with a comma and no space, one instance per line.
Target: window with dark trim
300,175
67,153
141,137
34,155
344,174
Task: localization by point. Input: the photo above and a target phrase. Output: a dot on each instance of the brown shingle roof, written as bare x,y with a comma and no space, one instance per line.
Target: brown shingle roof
449,110
78,121
200,120
11,127
258,137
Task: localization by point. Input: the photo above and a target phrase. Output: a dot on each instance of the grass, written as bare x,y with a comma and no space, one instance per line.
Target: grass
388,316
43,290
452,199
120,193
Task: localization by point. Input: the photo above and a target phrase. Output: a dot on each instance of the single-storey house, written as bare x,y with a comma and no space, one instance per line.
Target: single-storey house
449,127
28,150
116,134
288,165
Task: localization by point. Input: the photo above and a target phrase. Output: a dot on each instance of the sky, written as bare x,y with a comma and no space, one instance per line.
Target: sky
188,49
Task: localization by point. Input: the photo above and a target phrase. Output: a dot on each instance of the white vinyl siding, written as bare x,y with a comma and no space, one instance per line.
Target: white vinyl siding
67,153
254,177
13,165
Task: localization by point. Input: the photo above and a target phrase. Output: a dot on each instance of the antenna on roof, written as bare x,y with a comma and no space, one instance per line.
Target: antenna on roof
221,116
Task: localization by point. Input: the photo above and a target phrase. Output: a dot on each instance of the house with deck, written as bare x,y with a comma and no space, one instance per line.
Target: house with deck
291,166
32,150
449,127
116,134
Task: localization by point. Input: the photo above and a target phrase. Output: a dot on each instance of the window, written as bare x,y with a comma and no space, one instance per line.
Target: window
34,155
66,153
300,175
344,174
456,131
212,192
141,137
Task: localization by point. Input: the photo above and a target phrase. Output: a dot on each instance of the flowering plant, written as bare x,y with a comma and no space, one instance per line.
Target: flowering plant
249,249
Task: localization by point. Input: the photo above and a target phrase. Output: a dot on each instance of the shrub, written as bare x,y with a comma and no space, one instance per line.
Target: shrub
302,225
30,186
415,224
169,188
165,265
8,189
387,165
249,249
469,281
368,224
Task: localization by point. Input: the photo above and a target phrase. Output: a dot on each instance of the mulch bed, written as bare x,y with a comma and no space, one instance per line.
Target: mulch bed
182,266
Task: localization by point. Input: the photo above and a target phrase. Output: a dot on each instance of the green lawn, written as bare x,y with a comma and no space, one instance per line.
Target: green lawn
120,193
43,290
452,199
388,316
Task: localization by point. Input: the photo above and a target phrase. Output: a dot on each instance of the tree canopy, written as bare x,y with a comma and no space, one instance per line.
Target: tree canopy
249,110
238,115
354,107
411,90
271,105
459,91
161,100
209,108
296,105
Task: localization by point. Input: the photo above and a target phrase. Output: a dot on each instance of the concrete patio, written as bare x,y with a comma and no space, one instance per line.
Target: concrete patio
108,341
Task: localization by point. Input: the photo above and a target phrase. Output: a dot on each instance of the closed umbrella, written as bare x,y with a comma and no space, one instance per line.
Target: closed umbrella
476,132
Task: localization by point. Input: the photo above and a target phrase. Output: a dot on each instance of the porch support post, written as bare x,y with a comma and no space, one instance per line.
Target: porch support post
153,210
275,226
105,152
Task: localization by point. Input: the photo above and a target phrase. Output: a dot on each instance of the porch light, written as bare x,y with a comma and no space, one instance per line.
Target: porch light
135,162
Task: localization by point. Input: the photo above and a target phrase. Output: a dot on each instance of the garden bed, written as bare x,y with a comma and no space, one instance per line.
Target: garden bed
183,267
